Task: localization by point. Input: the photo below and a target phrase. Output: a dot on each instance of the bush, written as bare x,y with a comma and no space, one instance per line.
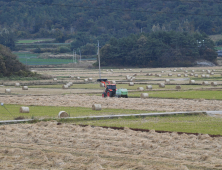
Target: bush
64,49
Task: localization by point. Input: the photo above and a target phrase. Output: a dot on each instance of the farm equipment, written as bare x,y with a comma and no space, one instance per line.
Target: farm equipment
111,90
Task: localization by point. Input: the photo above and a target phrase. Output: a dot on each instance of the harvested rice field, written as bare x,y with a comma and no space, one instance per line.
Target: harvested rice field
46,145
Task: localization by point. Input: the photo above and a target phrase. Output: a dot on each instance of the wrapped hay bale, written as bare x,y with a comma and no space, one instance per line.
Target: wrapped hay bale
140,89
207,76
203,70
65,86
208,71
203,75
192,82
131,84
77,78
195,75
63,114
205,83
128,77
54,79
7,91
162,85
102,85
162,71
134,74
211,73
159,75
90,79
174,70
17,84
213,83
130,69
124,69
111,70
107,70
96,107
185,71
71,76
144,95
169,74
149,87
24,109
185,75
24,87
192,71
213,70
178,75
86,80
191,74
178,87
167,81
113,82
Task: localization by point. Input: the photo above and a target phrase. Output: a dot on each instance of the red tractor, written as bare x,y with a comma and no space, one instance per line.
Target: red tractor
110,90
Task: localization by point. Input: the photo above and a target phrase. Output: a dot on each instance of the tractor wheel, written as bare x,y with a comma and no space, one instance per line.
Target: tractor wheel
126,96
104,94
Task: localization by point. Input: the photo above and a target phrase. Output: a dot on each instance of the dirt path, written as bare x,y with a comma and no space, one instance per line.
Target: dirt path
120,103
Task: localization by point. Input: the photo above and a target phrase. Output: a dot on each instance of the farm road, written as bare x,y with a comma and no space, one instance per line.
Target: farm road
150,104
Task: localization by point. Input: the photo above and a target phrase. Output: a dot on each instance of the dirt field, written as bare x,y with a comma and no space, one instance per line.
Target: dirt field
46,145
120,103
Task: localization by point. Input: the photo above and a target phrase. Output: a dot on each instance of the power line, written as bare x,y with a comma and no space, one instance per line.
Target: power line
117,9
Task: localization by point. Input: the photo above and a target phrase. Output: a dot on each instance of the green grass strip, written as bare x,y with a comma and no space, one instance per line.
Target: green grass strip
176,123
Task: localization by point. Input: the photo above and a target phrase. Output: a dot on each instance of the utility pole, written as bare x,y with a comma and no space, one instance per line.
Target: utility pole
80,55
99,61
75,56
141,30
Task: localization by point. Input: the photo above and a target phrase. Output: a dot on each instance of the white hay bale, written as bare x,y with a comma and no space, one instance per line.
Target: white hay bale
86,80
185,71
111,70
181,68
102,85
167,81
162,71
144,95
192,82
77,78
63,114
96,107
131,84
174,70
203,76
192,71
191,74
24,109
113,82
140,89
54,79
195,75
178,87
169,74
207,76
107,70
211,73
185,75
7,91
149,74
162,85
124,69
208,71
65,86
213,83
159,75
24,87
178,75
71,76
128,77
205,83
134,74
132,79
213,70
17,84
203,70
90,79
130,69
149,87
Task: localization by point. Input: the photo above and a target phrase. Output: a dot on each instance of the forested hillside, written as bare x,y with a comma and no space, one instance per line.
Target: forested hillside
158,49
87,21
9,65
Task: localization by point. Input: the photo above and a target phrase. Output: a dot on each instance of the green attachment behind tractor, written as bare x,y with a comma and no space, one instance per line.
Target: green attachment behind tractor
122,93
